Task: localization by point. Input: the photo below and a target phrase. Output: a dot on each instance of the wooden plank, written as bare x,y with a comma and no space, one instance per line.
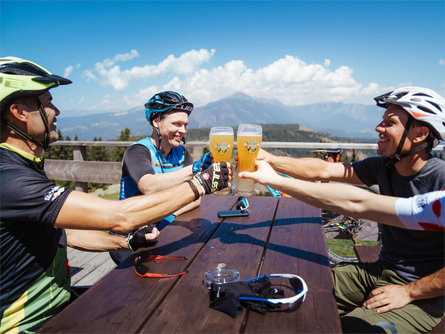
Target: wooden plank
239,243
87,268
84,171
367,253
297,246
122,301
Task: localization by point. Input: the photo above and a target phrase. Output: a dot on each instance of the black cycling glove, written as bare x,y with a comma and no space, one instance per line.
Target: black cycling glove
136,239
214,178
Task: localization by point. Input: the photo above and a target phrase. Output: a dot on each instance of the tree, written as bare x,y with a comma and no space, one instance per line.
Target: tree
118,152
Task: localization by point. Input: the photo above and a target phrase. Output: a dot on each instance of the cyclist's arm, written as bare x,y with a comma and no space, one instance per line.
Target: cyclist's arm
359,203
83,211
391,297
311,169
98,241
151,183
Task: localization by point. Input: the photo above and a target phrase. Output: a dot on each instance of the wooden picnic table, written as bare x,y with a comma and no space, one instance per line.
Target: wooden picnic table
279,236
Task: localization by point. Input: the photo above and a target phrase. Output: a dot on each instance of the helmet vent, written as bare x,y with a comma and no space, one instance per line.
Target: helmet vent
22,69
400,95
435,105
425,109
421,94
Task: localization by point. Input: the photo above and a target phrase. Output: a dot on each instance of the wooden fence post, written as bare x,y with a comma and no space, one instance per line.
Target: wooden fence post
80,154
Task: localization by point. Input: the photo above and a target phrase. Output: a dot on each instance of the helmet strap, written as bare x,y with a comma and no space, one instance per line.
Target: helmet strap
158,139
397,156
46,139
44,117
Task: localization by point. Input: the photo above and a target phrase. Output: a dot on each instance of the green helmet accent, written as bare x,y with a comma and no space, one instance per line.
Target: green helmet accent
20,77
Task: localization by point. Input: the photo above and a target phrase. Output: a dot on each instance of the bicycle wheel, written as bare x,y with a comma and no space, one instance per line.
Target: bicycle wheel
336,259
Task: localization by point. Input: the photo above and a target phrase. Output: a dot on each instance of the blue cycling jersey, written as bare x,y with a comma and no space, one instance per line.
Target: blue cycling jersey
143,158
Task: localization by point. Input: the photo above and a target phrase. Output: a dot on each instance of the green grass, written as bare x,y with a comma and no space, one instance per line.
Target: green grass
345,247
110,196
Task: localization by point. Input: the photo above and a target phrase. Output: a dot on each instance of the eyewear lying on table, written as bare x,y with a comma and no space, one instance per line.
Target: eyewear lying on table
143,272
297,283
242,203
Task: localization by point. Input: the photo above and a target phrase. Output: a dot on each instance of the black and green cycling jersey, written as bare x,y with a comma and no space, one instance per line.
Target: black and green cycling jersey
34,271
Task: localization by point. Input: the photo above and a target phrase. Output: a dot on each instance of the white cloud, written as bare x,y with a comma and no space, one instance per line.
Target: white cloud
69,70
126,56
288,79
442,61
109,74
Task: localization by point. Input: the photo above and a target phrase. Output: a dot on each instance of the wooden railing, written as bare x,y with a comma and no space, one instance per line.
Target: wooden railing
82,171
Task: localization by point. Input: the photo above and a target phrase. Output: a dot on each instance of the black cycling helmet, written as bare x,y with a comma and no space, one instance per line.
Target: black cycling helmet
164,102
22,78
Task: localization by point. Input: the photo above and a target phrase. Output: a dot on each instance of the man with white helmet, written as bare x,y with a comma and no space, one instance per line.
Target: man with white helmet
406,287
39,219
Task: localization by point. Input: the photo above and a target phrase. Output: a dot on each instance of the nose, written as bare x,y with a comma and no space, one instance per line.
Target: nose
183,129
379,128
57,111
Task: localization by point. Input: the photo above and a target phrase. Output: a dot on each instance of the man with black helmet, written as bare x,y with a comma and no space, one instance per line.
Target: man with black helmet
39,219
401,288
161,161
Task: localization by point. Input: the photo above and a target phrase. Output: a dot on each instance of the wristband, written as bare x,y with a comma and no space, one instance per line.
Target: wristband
195,190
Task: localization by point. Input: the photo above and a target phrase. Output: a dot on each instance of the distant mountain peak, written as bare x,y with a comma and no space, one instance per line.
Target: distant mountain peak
239,96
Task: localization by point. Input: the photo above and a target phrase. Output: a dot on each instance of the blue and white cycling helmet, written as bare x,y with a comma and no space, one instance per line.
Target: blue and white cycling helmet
165,102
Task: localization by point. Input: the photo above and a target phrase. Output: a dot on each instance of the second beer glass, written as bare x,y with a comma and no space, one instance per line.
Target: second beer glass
249,139
221,146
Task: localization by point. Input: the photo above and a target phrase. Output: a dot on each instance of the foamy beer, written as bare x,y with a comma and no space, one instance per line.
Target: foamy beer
221,146
249,142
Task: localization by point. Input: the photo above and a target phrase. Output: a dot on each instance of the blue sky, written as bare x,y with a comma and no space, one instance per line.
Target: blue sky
118,54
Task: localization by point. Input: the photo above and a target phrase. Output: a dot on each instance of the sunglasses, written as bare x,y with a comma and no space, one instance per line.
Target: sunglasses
142,271
297,284
242,203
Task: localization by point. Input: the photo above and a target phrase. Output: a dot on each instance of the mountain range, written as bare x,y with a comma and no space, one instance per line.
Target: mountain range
338,119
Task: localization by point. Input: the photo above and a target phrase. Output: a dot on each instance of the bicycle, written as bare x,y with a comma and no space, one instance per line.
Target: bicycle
342,232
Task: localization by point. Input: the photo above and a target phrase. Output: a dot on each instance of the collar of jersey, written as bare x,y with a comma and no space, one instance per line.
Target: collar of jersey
22,153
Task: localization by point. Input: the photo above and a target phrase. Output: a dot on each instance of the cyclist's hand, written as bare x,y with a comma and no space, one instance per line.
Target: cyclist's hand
264,174
215,178
142,237
388,297
202,163
264,155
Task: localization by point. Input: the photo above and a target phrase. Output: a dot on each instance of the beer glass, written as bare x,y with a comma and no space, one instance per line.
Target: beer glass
221,146
249,138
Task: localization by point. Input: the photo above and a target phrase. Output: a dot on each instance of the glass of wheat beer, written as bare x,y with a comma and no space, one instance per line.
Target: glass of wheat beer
221,146
249,138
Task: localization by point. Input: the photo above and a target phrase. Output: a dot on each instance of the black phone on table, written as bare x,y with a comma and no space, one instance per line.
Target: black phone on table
235,213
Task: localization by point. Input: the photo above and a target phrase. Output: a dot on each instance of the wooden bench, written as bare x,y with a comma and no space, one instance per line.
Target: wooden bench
367,253
371,254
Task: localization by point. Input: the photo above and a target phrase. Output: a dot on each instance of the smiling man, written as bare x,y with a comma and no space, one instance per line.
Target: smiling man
405,288
39,219
160,161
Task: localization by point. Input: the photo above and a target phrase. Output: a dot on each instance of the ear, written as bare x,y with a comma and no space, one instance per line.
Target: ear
421,134
156,122
16,112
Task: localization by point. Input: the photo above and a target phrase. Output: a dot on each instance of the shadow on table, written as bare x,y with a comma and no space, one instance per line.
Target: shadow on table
227,233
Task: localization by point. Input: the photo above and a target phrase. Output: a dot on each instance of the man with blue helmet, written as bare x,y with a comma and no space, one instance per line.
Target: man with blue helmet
160,161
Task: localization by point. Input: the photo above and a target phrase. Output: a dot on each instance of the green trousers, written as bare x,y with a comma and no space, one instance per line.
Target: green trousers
353,283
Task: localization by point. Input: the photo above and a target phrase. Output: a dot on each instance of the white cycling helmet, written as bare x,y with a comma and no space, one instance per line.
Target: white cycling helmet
422,103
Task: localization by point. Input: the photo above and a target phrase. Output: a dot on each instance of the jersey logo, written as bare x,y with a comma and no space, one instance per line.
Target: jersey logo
55,192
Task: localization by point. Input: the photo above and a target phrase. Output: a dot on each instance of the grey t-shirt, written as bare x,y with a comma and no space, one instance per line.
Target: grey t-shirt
412,254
